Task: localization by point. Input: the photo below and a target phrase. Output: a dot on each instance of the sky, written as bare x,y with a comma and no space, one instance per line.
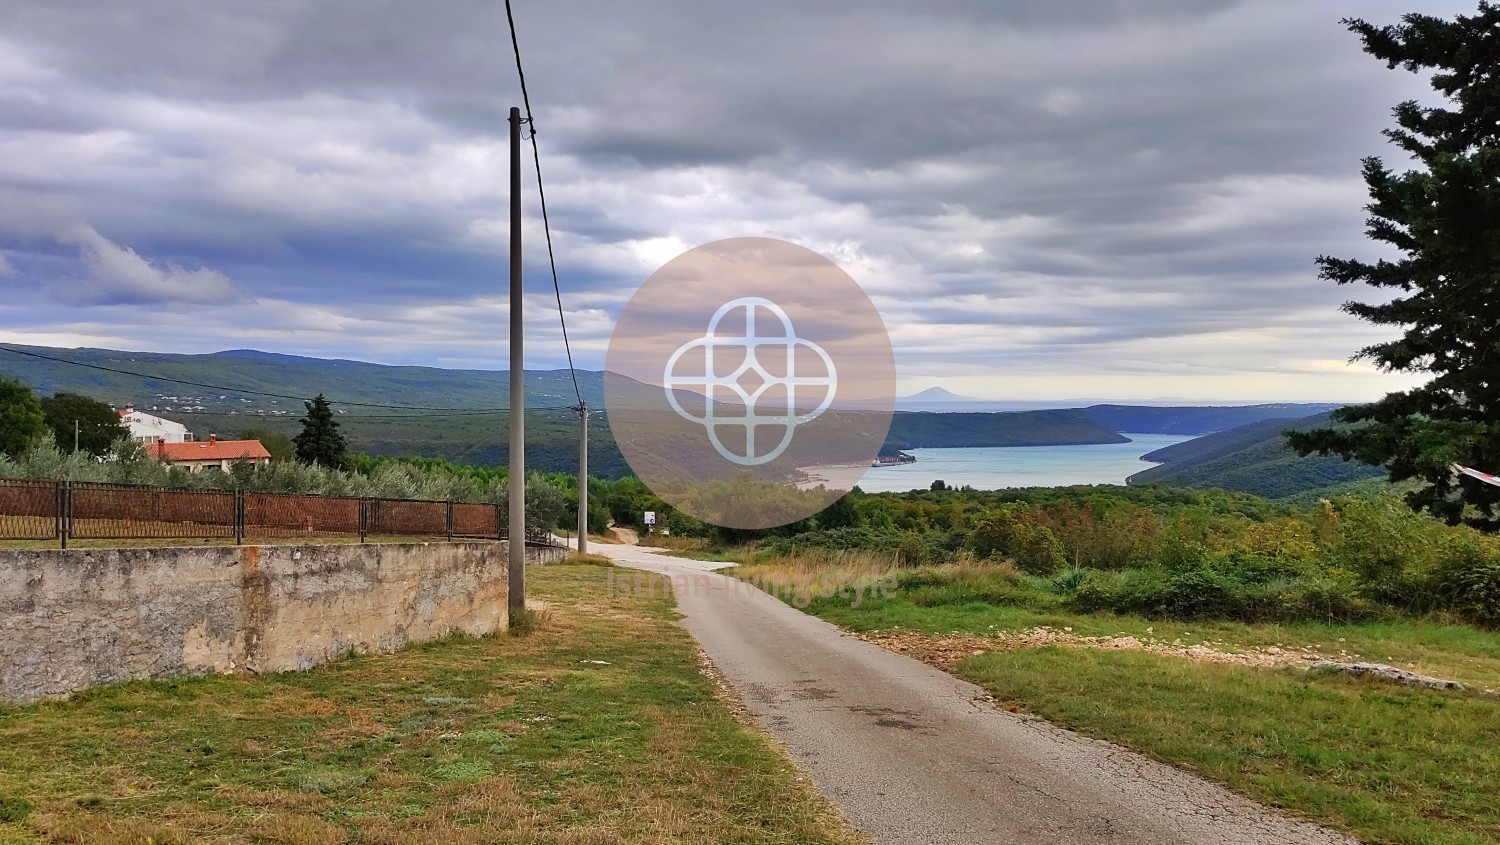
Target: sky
1046,199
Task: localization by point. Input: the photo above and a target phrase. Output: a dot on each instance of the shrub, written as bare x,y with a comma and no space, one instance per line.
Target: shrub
1253,567
1204,593
1069,581
1037,550
1478,596
1468,579
962,583
1386,545
1323,600
1016,531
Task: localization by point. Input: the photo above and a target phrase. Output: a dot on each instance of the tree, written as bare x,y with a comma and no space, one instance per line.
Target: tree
279,445
21,419
98,425
321,442
1444,219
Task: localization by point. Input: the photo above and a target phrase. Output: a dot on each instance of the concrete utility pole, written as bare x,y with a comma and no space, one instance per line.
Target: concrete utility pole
583,477
76,431
517,484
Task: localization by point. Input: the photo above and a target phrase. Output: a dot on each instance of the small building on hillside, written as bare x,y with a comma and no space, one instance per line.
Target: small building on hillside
145,428
212,453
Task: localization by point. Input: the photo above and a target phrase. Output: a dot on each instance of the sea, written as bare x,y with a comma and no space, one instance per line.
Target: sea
994,468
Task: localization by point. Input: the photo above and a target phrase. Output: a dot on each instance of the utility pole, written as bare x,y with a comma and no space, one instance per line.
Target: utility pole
583,477
76,430
517,484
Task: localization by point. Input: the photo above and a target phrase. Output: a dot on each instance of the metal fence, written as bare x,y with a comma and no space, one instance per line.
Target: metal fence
62,511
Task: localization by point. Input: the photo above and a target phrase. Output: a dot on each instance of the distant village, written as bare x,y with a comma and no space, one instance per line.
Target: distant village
230,406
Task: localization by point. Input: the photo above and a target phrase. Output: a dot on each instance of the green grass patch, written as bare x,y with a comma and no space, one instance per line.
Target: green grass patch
1387,763
495,739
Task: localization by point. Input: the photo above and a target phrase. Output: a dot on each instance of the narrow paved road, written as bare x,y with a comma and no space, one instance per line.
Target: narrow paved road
913,755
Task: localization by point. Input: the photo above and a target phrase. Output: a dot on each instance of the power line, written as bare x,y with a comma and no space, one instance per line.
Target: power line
536,158
239,389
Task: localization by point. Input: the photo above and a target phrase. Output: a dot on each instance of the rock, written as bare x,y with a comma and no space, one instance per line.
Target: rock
1389,673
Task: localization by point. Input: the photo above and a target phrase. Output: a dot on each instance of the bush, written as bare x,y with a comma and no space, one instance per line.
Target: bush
1251,567
1387,546
964,583
1070,581
1016,531
1468,579
1204,593
1323,600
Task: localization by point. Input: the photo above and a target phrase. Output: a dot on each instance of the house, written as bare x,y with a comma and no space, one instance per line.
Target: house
145,428
212,453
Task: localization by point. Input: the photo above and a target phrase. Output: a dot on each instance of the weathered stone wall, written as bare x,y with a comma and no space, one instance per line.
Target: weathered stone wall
76,618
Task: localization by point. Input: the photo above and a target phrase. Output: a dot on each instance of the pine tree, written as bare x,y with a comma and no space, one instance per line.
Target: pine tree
21,420
321,442
1443,217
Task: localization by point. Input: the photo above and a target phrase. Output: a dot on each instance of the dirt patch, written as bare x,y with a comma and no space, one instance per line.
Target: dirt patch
944,651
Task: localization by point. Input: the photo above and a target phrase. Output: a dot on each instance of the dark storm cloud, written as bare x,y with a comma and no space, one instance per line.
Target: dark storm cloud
1056,186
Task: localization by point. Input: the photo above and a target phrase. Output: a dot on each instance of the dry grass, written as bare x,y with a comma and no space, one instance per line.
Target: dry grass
674,543
845,577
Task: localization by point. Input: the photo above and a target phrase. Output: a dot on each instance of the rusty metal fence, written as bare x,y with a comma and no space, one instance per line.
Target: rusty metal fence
61,511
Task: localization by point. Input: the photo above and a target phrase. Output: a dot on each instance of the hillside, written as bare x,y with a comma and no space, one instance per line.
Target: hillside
1144,419
915,430
464,437
265,372
1252,459
552,431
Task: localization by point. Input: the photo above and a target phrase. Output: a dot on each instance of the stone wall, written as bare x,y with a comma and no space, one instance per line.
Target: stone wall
80,617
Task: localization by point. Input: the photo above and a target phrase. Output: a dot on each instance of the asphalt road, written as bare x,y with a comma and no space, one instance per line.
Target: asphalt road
913,755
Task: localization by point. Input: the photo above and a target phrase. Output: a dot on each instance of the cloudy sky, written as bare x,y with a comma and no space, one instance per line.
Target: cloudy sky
1045,198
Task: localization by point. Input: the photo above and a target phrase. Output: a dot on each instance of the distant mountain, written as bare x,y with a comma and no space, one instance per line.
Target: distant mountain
1252,458
1143,419
936,394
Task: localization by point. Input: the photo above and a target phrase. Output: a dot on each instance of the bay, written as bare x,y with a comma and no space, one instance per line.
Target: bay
994,468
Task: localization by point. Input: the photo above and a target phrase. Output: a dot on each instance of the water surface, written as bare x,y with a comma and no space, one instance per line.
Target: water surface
993,468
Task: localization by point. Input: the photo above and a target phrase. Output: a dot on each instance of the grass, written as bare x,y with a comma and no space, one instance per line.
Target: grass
597,726
1390,765
1386,763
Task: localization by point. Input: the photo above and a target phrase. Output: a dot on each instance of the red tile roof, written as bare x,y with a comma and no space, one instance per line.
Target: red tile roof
208,450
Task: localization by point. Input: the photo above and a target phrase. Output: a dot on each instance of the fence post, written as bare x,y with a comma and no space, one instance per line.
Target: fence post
450,520
64,504
364,519
239,517
500,532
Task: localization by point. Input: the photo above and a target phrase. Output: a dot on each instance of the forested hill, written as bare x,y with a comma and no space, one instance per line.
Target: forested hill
917,429
1253,458
1196,420
239,377
264,372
